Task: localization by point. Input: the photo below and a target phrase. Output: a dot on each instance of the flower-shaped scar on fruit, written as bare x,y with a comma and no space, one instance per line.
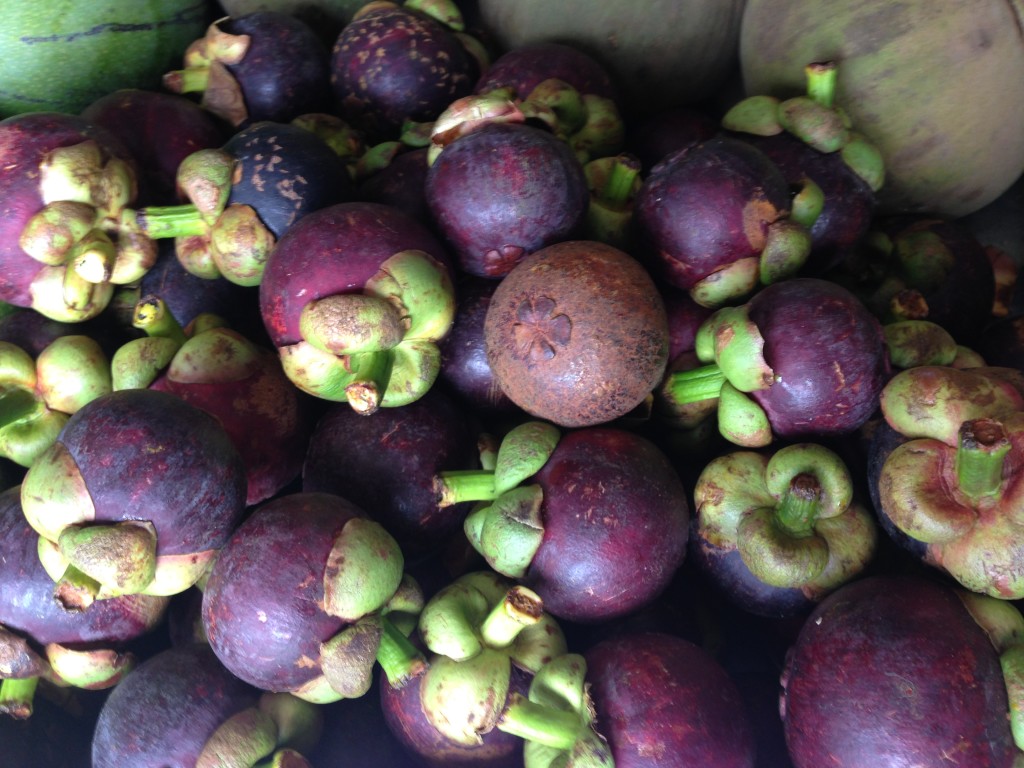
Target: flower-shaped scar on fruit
777,532
956,484
137,495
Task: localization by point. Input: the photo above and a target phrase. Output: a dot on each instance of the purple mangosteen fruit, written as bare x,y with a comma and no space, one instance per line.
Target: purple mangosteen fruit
40,640
182,709
265,65
595,521
902,670
355,297
717,218
66,184
137,495
305,596
803,358
504,191
577,334
392,64
662,700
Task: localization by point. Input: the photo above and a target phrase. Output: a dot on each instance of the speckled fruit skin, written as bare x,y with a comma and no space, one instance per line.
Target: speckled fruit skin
263,603
503,192
662,700
26,594
616,519
892,670
577,333
163,711
392,64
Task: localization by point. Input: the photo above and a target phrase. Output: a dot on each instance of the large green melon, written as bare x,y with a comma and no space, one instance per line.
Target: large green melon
61,55
938,85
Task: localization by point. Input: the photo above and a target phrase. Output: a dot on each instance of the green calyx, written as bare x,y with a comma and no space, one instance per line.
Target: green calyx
92,669
465,115
378,348
981,452
613,182
813,118
364,570
919,342
557,718
114,559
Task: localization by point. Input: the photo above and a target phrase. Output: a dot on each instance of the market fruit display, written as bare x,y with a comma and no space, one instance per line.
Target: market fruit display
514,385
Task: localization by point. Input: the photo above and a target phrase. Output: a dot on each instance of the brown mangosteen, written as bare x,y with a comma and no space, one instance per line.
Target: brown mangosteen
577,333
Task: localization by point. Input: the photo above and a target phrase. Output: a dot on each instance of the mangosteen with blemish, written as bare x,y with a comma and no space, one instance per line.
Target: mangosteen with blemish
655,694
396,63
776,532
385,462
181,708
717,218
485,638
356,297
835,172
244,196
42,391
802,359
504,190
160,129
44,644
307,596
594,520
221,371
922,267
922,651
136,496
577,334
948,477
265,65
66,184
464,366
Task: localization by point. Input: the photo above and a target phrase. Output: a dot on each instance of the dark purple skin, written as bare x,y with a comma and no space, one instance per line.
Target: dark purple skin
1002,343
664,699
892,670
667,131
285,172
405,718
163,711
24,141
504,191
286,70
828,353
708,205
849,206
464,366
616,518
402,184
263,603
393,64
331,251
524,68
685,317
26,594
34,332
160,129
148,455
386,463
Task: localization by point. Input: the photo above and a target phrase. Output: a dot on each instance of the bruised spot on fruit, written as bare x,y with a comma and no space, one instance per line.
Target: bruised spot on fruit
757,215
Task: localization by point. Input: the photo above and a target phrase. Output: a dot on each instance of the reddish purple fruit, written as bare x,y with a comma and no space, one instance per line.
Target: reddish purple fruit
661,700
895,671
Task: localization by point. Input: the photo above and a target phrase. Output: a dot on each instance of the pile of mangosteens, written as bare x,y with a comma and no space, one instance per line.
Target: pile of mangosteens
468,383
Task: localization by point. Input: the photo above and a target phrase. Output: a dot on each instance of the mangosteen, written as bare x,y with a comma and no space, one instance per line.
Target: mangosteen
577,334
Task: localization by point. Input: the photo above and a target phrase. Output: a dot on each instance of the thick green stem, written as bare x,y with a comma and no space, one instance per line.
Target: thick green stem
619,186
397,656
152,316
980,455
703,383
188,80
800,506
371,372
16,404
76,590
166,221
16,696
518,609
821,82
457,486
545,725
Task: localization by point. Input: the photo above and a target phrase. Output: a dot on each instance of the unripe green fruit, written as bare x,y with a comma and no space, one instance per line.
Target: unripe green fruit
61,55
